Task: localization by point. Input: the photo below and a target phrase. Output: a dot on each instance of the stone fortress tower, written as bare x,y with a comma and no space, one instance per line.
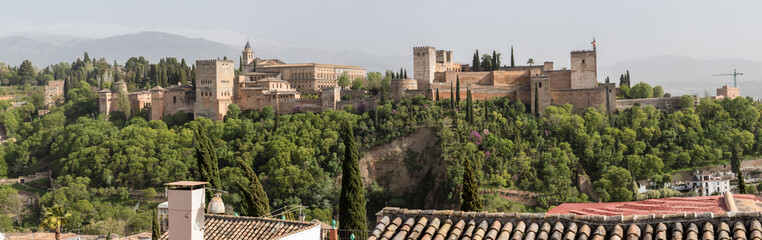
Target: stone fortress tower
424,65
215,88
584,73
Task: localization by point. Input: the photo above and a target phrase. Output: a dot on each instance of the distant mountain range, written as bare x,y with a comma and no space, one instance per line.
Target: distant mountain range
45,49
685,75
677,74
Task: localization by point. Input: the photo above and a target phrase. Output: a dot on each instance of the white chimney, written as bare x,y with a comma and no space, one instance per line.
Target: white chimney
186,210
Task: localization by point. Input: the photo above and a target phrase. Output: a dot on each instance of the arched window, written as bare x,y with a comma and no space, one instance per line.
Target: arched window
174,99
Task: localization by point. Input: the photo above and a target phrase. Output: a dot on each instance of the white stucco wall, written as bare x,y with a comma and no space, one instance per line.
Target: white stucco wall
309,234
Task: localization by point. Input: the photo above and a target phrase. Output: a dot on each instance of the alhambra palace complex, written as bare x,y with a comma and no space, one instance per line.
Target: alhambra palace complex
271,82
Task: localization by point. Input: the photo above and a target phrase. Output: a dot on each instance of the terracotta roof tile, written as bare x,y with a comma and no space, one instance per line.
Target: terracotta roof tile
217,227
456,225
677,231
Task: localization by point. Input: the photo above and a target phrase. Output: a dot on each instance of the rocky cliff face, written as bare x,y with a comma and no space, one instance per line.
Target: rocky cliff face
410,167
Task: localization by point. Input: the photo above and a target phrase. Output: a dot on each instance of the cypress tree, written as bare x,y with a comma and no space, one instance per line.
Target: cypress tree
735,162
457,90
405,73
352,199
255,202
155,228
741,183
513,63
67,87
474,62
537,100
437,94
452,97
240,64
277,119
469,107
206,159
469,197
621,80
477,63
494,60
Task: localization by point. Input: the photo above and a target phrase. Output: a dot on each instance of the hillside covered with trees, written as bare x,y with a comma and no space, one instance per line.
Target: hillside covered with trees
97,161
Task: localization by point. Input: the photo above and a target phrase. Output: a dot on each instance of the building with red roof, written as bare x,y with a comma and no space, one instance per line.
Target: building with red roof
715,204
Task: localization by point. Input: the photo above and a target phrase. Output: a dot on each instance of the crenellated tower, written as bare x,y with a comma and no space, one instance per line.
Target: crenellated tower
424,65
584,69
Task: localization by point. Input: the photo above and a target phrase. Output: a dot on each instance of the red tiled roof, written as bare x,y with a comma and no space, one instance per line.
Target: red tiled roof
714,204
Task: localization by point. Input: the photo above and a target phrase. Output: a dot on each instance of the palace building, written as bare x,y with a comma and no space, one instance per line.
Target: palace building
261,83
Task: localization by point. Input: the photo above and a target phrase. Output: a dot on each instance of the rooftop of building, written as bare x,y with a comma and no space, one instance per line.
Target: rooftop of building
396,223
246,228
310,65
712,204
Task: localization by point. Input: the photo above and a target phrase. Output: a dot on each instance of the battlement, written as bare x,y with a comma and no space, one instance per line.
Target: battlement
211,61
309,101
583,51
422,48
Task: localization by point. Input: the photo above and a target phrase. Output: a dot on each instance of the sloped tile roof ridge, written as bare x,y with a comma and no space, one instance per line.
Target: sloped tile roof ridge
447,224
393,212
260,219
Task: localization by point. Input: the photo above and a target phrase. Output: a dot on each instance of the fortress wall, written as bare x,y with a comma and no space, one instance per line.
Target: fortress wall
510,78
559,79
668,104
466,78
582,99
483,93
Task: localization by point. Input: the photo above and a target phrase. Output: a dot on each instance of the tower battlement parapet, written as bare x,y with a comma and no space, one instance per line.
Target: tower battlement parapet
212,61
423,48
583,51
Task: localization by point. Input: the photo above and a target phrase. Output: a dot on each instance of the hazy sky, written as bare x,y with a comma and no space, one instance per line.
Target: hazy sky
543,30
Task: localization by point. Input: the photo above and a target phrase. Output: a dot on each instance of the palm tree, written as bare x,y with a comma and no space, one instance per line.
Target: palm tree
531,61
54,218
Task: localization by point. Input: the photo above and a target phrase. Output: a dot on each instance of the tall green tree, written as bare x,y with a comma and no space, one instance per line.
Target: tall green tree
741,182
352,199
437,94
658,92
206,158
344,80
155,228
486,63
123,102
496,60
457,90
53,218
475,62
26,73
513,63
452,97
469,107
470,200
641,90
255,201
